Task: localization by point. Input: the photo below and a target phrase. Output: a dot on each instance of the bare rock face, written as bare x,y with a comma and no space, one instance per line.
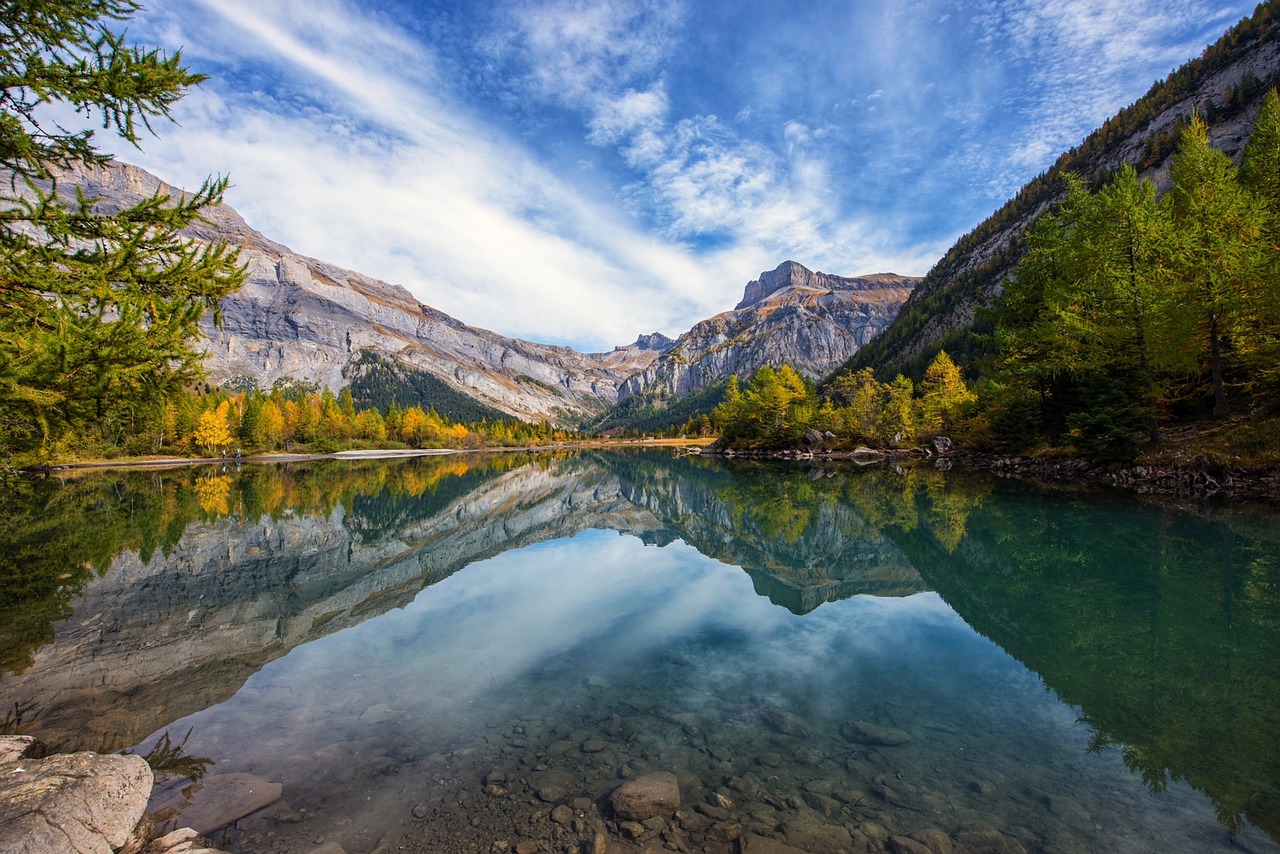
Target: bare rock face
300,318
812,321
79,803
646,797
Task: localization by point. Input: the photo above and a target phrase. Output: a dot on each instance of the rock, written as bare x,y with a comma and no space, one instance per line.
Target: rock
15,747
785,722
753,844
526,847
863,732
187,841
813,437
808,832
937,841
552,785
221,799
812,321
646,797
942,444
80,803
562,814
988,840
594,746
905,845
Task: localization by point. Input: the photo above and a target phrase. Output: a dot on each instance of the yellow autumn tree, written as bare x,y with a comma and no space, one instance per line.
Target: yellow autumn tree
943,395
213,428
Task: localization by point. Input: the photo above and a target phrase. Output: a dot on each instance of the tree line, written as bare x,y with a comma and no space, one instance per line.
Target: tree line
779,406
294,418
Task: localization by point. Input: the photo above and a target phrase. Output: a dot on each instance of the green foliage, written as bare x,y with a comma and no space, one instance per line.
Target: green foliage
647,414
779,406
376,382
98,308
1125,306
773,411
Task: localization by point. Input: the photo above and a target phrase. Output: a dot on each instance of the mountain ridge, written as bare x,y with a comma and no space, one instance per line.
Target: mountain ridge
305,320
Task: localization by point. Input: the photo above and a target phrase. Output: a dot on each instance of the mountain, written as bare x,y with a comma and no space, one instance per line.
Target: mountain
813,321
1225,85
303,319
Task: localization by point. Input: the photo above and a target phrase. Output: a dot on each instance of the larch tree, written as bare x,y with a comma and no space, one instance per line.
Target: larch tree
1260,174
1220,228
98,307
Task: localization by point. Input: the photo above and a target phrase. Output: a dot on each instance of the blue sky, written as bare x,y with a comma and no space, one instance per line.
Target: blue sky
581,172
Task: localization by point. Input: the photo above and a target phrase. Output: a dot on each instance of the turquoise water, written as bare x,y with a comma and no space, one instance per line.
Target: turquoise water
434,655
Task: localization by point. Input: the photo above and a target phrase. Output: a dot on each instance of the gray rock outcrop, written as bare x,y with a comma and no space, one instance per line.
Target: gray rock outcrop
78,803
811,321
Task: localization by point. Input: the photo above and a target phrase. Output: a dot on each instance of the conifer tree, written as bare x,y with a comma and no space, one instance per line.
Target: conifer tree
97,308
1219,226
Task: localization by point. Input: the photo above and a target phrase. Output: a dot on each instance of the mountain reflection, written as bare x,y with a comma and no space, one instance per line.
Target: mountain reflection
131,599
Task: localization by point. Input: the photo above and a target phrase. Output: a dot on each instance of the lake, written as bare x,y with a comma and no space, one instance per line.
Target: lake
470,653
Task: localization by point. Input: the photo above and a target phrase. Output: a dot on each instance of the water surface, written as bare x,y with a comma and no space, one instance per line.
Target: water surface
434,654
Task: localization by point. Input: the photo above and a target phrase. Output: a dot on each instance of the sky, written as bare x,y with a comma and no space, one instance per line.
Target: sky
581,172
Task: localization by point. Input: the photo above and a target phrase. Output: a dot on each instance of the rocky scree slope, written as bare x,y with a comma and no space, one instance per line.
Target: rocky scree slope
303,319
812,321
1225,85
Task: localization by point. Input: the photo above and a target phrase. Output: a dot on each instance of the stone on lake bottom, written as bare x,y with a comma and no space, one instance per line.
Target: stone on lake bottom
865,732
752,844
646,797
222,799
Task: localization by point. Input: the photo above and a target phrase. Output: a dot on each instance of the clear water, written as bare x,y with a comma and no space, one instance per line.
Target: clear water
433,655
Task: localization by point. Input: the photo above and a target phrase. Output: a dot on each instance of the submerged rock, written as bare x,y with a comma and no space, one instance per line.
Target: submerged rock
864,732
220,800
646,797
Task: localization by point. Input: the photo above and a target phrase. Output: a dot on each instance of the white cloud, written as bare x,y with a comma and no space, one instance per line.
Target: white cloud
376,173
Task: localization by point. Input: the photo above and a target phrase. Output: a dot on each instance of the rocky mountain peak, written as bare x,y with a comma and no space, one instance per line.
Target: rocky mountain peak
785,275
654,341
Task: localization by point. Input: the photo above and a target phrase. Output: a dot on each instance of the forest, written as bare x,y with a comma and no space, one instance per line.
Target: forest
1132,312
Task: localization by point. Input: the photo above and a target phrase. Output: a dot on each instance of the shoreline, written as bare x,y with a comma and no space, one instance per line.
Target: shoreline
1141,478
364,454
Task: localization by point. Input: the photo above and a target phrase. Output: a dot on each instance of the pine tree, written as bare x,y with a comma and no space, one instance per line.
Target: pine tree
97,309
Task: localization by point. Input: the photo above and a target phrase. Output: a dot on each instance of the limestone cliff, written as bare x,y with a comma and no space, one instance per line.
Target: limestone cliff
304,319
812,321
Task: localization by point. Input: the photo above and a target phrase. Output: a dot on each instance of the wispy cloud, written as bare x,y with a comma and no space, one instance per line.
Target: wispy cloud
369,169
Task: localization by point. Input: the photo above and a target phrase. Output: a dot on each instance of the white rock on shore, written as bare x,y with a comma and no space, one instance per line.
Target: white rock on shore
79,803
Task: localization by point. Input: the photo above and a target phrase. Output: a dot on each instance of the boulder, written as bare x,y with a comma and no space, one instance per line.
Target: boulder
813,437
864,732
181,841
646,797
220,800
78,803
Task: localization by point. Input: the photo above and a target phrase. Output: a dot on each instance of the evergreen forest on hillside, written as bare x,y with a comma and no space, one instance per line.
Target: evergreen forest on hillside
1130,310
